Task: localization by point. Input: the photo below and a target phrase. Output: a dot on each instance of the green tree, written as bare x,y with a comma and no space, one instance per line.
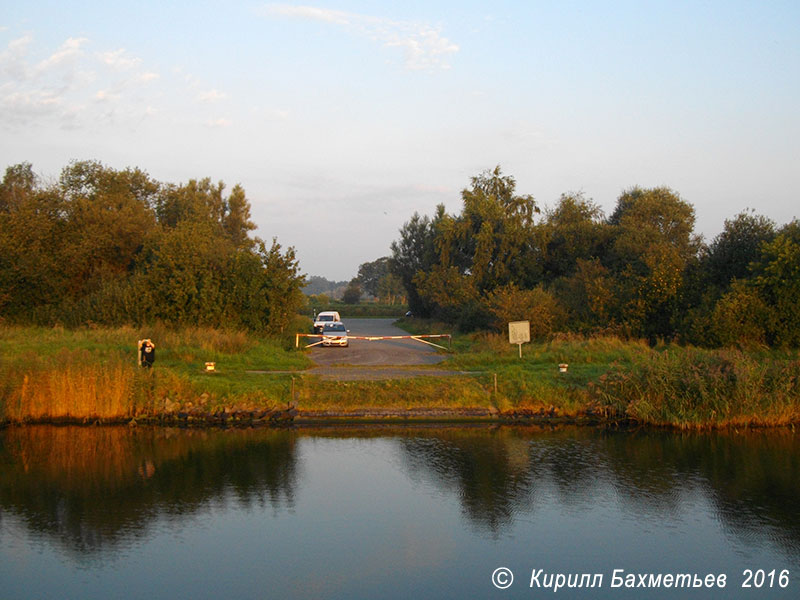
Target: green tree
574,230
89,179
115,246
197,200
319,301
281,285
371,273
236,218
726,261
108,215
320,285
352,294
32,274
490,244
729,256
652,246
777,279
390,289
587,296
377,280
183,272
453,296
19,183
493,235
415,252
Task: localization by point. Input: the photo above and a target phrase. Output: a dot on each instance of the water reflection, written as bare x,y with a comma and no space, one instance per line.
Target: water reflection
90,488
491,472
93,488
752,479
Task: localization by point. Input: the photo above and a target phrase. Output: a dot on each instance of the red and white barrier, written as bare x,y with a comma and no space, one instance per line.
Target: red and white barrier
375,338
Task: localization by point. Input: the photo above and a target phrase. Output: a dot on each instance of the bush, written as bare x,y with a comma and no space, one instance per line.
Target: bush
740,318
538,306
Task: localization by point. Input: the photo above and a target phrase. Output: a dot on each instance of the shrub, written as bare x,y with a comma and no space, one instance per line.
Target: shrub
538,306
740,317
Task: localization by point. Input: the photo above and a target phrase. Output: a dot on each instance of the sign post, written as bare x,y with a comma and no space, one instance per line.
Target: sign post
519,332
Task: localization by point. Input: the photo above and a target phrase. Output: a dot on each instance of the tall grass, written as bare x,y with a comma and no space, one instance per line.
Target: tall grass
17,339
92,373
207,339
690,388
72,384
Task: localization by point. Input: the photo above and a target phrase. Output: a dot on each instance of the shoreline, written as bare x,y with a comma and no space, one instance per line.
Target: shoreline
87,376
294,418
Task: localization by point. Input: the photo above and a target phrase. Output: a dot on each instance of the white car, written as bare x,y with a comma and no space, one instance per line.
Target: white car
335,334
326,316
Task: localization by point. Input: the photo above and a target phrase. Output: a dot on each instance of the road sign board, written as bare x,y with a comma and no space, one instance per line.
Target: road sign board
519,332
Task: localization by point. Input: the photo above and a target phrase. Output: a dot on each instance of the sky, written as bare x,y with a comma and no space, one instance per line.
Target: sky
341,118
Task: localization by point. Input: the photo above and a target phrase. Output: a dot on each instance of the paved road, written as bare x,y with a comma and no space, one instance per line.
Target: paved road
379,353
384,359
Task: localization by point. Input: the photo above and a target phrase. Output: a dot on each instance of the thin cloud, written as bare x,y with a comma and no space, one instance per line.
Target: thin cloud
68,86
119,60
145,77
13,60
279,114
313,13
425,50
106,96
424,47
219,123
211,96
69,52
20,106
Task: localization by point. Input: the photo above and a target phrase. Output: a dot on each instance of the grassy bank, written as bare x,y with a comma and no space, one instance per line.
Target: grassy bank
666,385
91,374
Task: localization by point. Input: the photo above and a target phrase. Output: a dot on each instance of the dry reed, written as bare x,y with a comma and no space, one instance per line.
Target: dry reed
72,387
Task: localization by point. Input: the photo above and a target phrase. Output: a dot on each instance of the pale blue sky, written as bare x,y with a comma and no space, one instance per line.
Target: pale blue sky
341,119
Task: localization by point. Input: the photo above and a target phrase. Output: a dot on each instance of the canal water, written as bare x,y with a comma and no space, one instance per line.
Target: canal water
394,512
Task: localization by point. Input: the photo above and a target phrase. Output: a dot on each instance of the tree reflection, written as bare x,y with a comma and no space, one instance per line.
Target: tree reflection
501,472
489,471
91,487
752,479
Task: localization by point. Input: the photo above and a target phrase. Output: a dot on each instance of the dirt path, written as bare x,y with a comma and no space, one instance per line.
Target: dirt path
384,359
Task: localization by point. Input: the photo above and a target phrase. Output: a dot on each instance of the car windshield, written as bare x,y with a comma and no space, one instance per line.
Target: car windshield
325,318
335,327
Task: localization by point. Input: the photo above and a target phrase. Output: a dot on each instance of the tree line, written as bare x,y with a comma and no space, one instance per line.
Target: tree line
377,280
111,247
640,271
